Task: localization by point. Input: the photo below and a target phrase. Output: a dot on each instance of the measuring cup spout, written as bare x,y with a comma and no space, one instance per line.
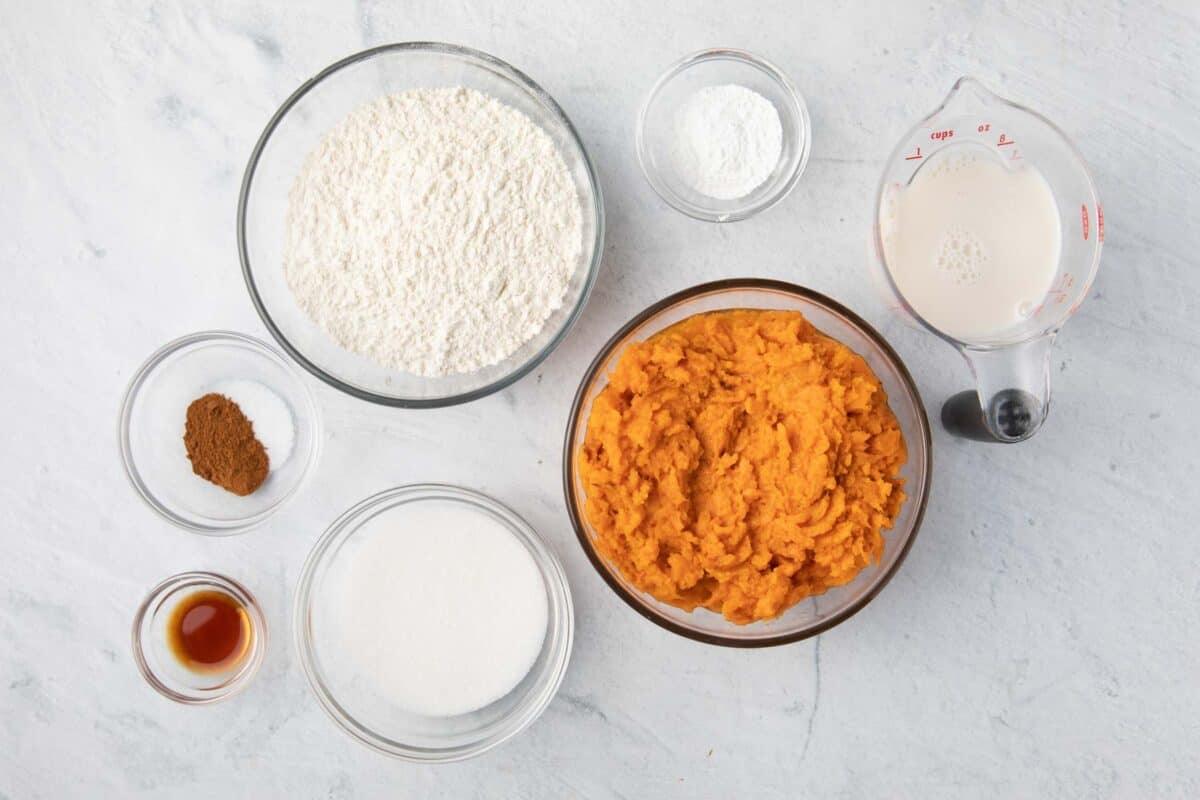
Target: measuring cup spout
968,95
1012,395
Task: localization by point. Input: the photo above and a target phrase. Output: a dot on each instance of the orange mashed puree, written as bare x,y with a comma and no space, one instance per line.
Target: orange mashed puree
741,461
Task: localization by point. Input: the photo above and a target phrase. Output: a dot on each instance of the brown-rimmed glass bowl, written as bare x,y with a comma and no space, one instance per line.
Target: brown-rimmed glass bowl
815,614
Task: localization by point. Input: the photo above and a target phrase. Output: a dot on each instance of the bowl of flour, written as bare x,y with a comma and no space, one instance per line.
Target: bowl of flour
419,225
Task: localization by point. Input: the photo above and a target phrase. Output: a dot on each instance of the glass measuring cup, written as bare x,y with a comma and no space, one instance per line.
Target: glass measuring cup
1012,374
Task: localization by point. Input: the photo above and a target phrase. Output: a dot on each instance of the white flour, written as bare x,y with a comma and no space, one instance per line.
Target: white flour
727,141
434,231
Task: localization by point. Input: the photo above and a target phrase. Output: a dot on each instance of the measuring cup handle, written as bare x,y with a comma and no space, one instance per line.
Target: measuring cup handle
1012,395
1019,412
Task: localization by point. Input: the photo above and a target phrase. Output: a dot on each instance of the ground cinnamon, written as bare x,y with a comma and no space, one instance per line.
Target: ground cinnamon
222,446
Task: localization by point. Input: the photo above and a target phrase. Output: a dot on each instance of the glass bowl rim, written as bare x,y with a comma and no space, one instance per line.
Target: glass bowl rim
200,578
549,567
498,67
311,412
799,109
575,420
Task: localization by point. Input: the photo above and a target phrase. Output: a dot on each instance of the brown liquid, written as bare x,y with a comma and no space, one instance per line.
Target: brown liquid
209,631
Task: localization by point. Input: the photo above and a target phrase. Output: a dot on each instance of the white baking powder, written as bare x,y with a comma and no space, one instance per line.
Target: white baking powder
727,141
434,231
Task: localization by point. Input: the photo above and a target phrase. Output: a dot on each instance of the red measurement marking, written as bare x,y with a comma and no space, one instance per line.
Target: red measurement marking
1099,222
984,128
941,136
1084,216
1004,140
1058,293
914,157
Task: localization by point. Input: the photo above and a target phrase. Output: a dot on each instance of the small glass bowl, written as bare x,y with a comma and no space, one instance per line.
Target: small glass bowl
298,127
162,669
152,424
656,131
815,614
367,715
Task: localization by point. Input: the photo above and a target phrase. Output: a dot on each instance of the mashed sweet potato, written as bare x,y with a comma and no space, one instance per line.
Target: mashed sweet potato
741,461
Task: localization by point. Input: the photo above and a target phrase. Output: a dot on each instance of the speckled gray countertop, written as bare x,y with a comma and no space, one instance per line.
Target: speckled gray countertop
1042,640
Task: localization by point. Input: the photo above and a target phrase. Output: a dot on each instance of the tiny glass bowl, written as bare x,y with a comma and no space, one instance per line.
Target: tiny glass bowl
814,614
656,134
163,670
368,715
152,422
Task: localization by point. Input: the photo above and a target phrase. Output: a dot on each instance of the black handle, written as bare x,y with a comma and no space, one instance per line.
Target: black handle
1014,413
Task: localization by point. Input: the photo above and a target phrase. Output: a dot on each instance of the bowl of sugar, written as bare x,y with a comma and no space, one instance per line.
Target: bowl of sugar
723,135
433,623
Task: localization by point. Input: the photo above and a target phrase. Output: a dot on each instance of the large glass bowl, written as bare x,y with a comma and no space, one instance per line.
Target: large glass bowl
296,129
815,614
370,716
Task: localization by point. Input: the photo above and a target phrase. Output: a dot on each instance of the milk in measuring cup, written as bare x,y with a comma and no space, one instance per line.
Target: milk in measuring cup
972,244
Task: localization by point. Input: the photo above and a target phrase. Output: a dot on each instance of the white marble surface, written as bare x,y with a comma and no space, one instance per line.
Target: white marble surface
1040,641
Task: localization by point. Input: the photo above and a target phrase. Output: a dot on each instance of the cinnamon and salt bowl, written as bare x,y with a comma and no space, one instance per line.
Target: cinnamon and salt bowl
266,387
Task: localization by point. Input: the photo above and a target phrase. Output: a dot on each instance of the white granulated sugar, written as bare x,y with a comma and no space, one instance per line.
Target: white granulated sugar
440,609
727,141
433,231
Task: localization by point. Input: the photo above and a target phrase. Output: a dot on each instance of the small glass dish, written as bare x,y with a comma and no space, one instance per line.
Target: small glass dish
365,713
817,613
318,105
162,669
152,422
656,131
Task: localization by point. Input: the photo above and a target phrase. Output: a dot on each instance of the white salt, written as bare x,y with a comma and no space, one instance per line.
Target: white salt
270,414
